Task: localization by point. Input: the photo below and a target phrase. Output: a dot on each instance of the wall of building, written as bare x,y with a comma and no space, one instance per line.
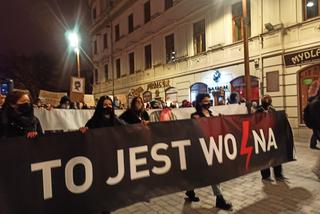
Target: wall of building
266,48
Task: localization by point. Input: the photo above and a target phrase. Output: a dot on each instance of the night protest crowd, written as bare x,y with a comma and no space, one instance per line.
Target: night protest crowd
17,119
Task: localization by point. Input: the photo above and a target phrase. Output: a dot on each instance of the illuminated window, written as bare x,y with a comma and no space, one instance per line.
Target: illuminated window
311,9
237,18
199,37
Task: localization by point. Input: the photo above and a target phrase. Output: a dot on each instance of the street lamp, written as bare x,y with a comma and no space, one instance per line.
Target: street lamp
310,4
74,43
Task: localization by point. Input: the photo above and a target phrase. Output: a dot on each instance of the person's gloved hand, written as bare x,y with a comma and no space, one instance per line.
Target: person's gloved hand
32,134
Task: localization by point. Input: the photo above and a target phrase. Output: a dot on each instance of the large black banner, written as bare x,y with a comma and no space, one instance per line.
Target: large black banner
106,169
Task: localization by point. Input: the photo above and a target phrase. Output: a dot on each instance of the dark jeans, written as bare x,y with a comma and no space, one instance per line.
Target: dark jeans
277,172
314,139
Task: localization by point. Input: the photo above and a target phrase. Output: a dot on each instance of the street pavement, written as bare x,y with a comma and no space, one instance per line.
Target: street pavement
248,194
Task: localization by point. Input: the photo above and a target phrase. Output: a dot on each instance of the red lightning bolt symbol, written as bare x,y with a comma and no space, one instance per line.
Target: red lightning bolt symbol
245,149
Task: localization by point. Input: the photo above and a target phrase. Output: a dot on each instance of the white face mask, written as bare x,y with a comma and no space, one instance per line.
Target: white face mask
65,106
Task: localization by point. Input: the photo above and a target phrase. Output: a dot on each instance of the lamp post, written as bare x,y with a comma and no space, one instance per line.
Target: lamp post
74,43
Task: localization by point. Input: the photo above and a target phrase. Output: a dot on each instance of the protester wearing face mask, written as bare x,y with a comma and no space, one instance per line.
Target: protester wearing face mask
136,113
203,105
64,103
17,118
104,115
266,106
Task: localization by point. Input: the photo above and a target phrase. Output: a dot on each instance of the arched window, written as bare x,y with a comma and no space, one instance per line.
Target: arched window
239,85
198,88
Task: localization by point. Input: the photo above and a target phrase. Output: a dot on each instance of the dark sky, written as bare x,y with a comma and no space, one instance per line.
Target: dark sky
31,26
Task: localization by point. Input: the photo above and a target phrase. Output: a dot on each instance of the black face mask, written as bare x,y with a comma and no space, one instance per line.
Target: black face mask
206,106
265,105
108,111
25,109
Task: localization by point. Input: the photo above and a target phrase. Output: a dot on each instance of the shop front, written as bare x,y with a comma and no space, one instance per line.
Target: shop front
306,77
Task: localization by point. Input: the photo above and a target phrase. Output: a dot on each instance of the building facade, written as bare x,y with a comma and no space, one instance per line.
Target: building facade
173,49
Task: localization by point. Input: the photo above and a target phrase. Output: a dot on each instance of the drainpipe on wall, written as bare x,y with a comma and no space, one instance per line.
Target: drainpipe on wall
111,57
260,49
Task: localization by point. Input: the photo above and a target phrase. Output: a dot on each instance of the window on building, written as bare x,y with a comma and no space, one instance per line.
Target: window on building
130,23
95,47
105,41
147,12
170,52
311,9
117,32
131,63
199,37
118,68
168,4
106,72
148,56
96,76
237,17
198,88
94,13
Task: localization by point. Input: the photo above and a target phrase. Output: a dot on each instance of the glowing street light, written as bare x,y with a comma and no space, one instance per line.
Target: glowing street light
74,43
310,4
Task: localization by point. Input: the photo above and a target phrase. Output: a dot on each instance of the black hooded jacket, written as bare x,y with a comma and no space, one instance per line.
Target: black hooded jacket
14,125
132,117
100,119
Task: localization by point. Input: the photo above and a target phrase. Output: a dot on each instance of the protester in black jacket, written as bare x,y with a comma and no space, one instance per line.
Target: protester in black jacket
65,103
17,117
104,115
202,106
136,113
312,117
266,106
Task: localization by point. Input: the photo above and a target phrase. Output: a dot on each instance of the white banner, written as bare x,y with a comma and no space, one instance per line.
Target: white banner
68,120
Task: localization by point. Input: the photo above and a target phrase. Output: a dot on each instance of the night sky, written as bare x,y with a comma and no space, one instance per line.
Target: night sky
33,25
30,26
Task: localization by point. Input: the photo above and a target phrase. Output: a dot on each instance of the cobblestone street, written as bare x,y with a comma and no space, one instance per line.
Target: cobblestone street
248,194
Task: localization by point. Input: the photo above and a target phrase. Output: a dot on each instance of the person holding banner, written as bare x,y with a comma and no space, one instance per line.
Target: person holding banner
17,117
136,113
104,115
202,105
266,106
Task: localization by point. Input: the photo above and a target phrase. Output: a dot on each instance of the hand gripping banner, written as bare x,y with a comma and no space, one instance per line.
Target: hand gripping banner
106,169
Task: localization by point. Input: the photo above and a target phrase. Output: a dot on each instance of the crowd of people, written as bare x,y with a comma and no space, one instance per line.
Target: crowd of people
66,103
17,119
